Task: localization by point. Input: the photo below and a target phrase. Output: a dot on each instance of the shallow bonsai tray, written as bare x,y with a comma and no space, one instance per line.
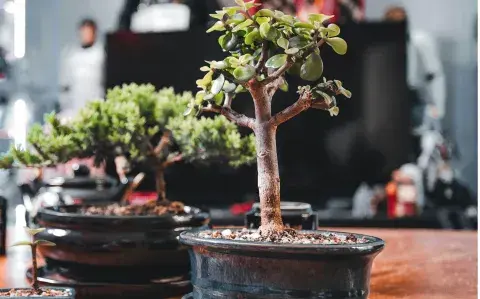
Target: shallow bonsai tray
164,288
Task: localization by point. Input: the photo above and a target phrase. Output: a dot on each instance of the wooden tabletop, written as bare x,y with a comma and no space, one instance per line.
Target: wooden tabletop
416,264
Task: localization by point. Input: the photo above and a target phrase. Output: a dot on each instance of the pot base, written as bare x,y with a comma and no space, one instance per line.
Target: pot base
165,288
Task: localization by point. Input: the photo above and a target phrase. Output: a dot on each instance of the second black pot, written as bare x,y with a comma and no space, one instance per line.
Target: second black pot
240,269
116,248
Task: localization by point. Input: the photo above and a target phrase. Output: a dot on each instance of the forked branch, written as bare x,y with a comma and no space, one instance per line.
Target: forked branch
303,103
232,115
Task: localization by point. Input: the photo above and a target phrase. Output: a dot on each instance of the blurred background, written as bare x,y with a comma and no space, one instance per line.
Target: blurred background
402,153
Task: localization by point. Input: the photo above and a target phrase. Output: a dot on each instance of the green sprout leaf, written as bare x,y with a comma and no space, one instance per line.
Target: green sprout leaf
219,65
295,69
44,243
244,73
276,61
312,69
217,84
284,86
243,25
205,69
22,243
283,43
339,45
33,231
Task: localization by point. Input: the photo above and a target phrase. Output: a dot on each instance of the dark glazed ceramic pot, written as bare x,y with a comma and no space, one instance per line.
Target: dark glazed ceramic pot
298,215
116,248
70,290
241,269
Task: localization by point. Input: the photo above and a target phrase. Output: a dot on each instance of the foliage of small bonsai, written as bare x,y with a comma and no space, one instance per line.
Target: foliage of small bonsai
33,246
262,48
136,122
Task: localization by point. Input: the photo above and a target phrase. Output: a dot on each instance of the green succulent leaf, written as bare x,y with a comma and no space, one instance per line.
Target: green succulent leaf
218,26
240,89
33,231
205,69
189,110
22,243
229,87
243,25
338,45
262,20
295,69
265,29
236,19
284,86
334,111
319,18
218,98
312,68
304,25
219,65
283,43
298,42
292,51
331,31
240,2
276,61
244,73
253,36
264,13
44,243
217,84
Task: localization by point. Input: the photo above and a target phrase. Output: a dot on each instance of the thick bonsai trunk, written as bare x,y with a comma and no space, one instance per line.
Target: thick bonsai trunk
160,184
267,164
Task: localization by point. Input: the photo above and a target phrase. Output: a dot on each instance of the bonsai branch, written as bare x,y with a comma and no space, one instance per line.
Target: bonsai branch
263,58
172,159
279,72
302,104
163,143
232,115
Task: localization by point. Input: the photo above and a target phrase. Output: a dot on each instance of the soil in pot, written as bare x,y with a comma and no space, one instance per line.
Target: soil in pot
288,236
42,292
151,208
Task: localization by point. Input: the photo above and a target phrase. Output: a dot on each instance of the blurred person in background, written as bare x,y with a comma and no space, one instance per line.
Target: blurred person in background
81,73
165,15
426,78
81,80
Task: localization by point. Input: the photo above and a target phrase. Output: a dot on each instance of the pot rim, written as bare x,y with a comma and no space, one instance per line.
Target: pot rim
72,292
193,211
374,245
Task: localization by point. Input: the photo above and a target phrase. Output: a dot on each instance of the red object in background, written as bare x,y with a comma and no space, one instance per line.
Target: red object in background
326,7
391,191
401,200
142,197
254,9
241,208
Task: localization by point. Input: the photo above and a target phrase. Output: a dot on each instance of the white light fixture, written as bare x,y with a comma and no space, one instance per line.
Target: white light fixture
19,29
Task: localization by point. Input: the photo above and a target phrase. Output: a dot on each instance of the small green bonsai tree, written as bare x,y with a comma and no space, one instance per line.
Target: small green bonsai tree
141,125
262,48
33,246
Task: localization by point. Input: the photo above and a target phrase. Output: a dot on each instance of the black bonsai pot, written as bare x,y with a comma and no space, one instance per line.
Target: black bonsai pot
69,290
240,269
298,215
116,248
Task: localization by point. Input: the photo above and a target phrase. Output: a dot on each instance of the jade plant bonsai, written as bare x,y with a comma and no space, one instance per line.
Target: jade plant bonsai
141,126
36,291
261,49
